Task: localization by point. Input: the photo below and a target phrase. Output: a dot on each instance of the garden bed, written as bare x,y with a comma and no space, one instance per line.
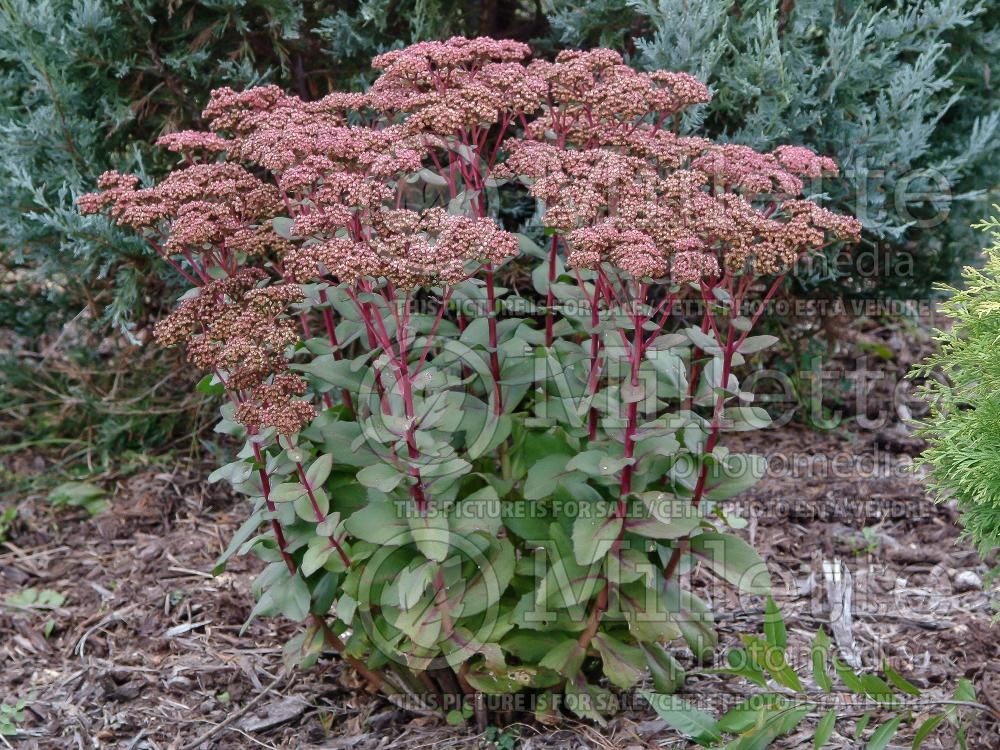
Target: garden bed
145,653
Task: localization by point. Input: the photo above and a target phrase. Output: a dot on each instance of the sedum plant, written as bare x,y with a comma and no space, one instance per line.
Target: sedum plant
480,465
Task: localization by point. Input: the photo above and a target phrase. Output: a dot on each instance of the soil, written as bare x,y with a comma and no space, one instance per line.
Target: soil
145,651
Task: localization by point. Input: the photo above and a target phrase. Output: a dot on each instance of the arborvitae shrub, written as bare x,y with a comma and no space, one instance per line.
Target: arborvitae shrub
463,486
963,389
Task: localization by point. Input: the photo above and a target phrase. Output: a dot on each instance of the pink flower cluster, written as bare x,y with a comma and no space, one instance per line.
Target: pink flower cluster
187,141
630,193
343,179
240,331
274,404
576,184
204,202
459,83
588,91
408,248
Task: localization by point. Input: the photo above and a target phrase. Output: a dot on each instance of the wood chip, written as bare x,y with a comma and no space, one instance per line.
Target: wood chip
274,714
840,593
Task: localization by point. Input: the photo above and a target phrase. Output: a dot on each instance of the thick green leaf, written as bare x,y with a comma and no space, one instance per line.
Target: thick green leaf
745,418
671,367
663,516
623,664
480,511
341,373
566,583
668,675
735,473
245,531
305,509
490,683
282,226
684,717
597,463
291,597
566,658
380,523
492,575
412,583
382,477
734,560
648,613
316,555
430,532
533,647
702,340
287,492
593,536
543,476
694,618
754,344
319,470
234,473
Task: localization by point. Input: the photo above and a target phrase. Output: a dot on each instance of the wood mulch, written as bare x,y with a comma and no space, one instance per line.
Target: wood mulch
145,652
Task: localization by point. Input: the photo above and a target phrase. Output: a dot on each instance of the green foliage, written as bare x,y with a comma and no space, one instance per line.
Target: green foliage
455,474
8,515
963,391
77,405
353,33
11,714
34,599
88,86
898,93
84,495
781,706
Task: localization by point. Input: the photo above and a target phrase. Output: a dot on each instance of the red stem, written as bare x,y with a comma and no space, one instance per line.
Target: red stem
279,534
728,350
491,318
318,512
331,333
549,294
417,488
638,319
